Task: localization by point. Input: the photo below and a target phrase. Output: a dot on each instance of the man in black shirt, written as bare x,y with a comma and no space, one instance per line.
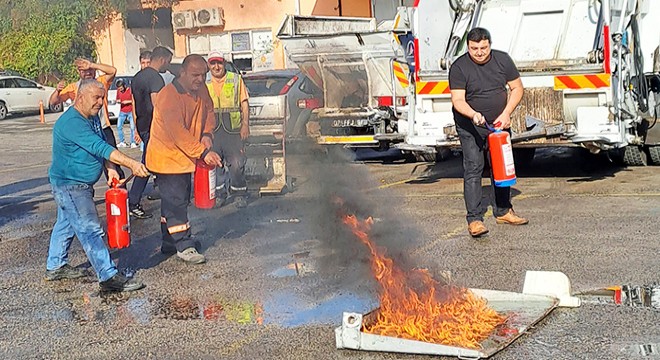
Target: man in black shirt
145,85
478,82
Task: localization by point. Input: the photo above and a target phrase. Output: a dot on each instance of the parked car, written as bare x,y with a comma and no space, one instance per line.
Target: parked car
113,105
282,95
18,94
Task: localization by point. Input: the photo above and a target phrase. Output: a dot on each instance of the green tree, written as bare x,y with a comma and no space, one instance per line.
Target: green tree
42,38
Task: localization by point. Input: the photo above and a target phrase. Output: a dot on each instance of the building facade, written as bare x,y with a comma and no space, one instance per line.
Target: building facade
244,30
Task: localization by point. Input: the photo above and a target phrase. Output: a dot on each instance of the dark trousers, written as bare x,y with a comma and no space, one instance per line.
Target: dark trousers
175,197
110,139
139,183
230,147
475,150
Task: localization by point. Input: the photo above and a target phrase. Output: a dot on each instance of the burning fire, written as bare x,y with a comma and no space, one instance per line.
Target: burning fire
415,306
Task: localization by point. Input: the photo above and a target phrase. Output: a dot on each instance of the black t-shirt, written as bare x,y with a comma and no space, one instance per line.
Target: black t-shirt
144,83
484,85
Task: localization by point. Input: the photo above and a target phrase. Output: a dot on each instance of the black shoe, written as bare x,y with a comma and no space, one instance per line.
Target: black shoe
155,195
120,283
138,212
65,272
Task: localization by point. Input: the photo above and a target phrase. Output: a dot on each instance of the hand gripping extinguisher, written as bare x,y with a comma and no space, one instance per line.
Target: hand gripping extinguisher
204,185
116,209
501,157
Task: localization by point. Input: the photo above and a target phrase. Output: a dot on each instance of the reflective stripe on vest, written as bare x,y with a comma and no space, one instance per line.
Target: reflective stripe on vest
229,101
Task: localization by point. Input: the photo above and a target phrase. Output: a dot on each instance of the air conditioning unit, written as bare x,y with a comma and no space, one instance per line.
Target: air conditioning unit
183,19
210,17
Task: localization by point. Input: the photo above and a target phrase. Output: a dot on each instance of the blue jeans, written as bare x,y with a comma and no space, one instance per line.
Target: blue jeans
77,215
120,124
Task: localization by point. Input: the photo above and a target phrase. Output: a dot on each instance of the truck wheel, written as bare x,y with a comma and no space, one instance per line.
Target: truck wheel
523,157
634,156
654,152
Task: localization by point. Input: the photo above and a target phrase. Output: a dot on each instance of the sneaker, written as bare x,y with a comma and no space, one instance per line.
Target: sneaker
511,218
134,146
65,272
122,145
138,212
241,202
477,229
191,256
120,283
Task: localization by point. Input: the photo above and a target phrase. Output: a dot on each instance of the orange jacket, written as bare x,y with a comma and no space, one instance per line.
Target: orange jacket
180,119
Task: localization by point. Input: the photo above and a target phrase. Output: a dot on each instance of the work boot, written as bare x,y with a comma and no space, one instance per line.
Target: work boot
120,283
138,212
221,199
511,218
191,256
241,201
477,229
65,272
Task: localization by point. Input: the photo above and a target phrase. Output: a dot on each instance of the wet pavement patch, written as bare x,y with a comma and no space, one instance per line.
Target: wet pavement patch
301,264
289,310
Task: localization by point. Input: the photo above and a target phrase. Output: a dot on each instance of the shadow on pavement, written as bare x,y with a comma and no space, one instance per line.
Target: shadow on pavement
574,163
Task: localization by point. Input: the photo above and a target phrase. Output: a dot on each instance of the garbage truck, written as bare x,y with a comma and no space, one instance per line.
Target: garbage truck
590,68
362,70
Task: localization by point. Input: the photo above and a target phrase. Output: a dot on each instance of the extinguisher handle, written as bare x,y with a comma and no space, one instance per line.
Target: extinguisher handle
490,128
116,182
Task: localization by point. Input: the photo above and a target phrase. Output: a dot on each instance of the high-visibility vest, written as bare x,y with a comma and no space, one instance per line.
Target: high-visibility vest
228,101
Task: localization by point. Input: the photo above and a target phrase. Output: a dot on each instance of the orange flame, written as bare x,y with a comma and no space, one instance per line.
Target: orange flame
415,306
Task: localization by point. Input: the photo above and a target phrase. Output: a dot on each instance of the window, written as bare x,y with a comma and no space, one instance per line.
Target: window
25,83
7,84
240,42
268,86
248,50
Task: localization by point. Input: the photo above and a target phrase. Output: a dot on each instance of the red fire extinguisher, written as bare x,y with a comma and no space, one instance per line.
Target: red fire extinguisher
116,209
501,157
204,185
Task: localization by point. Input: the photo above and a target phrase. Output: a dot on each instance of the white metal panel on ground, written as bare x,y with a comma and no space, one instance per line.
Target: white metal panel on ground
526,309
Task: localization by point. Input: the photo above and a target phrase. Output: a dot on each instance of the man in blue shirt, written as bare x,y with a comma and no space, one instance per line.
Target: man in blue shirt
80,154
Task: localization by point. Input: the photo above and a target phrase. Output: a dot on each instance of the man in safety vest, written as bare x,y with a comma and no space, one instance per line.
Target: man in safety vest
230,101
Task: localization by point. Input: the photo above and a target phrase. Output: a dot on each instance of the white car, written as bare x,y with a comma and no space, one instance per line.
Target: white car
18,94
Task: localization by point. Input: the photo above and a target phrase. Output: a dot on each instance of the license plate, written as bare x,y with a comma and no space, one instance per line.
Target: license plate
349,123
253,110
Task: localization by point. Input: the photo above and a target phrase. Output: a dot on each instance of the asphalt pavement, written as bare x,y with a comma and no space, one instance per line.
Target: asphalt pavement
281,272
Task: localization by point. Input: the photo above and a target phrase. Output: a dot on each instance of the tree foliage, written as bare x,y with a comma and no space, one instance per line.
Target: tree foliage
42,38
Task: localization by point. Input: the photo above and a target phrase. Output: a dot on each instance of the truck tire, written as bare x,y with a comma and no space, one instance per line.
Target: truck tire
634,156
654,152
523,157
